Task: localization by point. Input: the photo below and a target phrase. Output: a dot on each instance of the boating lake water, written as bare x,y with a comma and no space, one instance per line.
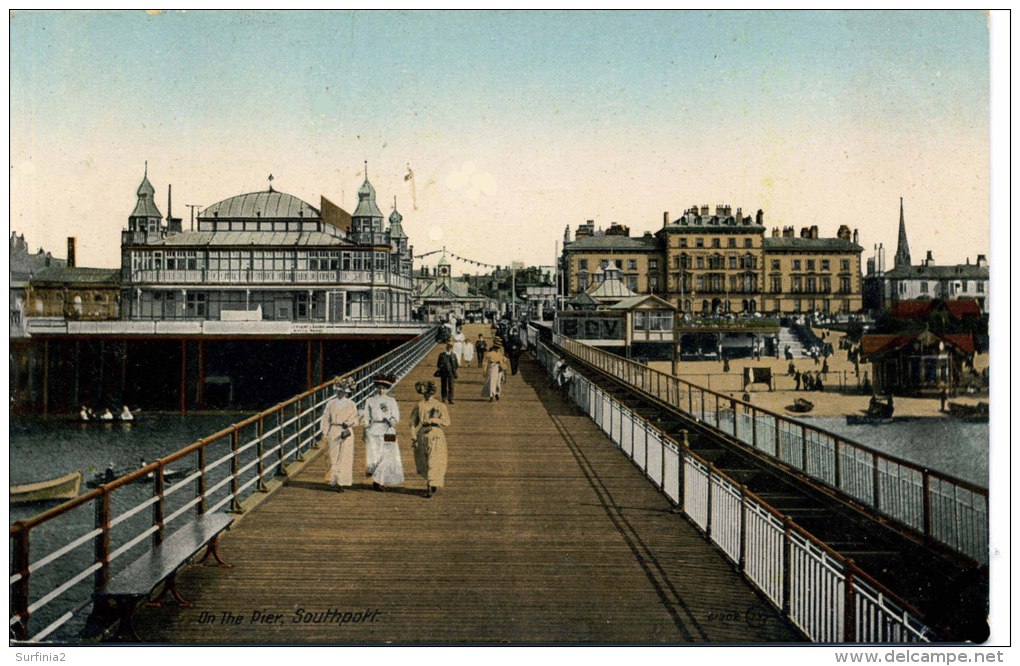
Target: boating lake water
946,445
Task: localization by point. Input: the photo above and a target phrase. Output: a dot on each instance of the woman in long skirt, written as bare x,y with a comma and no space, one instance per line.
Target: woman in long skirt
381,416
427,422
339,418
495,371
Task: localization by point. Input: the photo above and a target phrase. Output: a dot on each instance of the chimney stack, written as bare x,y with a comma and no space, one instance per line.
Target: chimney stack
814,231
855,238
665,218
70,251
981,261
928,260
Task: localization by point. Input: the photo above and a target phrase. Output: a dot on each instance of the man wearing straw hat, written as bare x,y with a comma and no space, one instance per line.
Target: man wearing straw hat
338,420
427,422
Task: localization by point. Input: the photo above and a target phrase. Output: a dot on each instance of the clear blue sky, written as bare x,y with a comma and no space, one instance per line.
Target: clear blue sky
576,101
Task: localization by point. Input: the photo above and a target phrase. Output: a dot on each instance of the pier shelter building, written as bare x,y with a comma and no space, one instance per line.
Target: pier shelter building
266,256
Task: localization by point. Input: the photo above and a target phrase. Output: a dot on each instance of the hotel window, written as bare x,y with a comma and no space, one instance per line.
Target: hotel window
844,285
380,262
777,284
775,264
653,264
811,285
653,283
748,242
826,285
731,242
632,264
699,242
632,282
796,264
582,281
700,262
924,287
795,285
811,264
733,262
640,321
844,264
683,242
157,260
981,287
825,264
715,242
582,264
964,285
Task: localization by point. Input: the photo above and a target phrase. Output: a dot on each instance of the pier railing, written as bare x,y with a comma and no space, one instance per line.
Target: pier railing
818,590
945,510
55,569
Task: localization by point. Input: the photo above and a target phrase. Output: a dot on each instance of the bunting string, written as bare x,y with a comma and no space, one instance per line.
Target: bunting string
472,262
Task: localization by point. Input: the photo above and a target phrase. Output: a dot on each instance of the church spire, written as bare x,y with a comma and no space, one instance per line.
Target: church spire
902,257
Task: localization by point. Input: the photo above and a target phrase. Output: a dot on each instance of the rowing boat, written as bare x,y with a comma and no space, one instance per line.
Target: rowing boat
62,488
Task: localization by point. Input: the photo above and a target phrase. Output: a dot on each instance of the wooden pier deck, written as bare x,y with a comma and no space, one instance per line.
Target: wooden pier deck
545,533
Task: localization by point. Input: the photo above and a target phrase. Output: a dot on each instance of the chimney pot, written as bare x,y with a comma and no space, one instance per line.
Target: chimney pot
71,241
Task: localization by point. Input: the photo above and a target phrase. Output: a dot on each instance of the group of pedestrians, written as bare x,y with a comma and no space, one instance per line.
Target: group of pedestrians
381,414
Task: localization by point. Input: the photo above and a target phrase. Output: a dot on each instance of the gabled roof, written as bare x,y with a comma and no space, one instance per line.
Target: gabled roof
610,289
959,272
63,274
613,244
778,244
440,288
878,345
635,302
922,309
583,300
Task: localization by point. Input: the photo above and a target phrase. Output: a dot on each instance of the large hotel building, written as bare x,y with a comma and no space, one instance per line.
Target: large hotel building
722,262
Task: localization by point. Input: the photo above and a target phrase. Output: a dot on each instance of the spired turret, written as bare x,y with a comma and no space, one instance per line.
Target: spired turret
398,239
146,220
367,221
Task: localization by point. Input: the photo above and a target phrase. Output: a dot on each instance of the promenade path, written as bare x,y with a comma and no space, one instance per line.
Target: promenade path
545,533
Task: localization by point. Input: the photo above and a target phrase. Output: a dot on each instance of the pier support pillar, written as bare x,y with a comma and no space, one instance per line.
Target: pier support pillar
184,376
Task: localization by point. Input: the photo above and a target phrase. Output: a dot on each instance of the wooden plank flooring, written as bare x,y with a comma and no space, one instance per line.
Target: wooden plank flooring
545,533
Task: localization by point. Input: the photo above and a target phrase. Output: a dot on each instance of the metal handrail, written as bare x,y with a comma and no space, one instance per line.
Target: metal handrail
295,419
908,620
952,537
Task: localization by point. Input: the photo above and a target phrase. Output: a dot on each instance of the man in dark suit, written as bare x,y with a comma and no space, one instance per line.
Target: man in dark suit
446,370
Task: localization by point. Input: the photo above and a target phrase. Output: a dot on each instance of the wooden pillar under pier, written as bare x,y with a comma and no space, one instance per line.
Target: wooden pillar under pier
308,369
200,391
184,375
46,377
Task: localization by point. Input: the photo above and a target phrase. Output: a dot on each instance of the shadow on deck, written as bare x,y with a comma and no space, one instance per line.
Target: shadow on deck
545,533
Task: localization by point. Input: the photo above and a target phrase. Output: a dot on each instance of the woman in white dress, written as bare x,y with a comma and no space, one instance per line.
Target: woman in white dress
469,352
458,346
381,417
339,418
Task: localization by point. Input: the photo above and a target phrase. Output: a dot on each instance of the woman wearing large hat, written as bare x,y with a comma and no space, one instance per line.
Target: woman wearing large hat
381,450
427,422
338,420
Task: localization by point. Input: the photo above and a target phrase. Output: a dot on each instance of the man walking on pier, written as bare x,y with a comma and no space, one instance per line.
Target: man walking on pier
338,420
427,422
446,370
480,349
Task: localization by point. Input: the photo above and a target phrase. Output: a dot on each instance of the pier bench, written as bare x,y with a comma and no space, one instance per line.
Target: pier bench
160,565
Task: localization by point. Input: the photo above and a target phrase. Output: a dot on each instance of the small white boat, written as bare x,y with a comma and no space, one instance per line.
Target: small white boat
63,488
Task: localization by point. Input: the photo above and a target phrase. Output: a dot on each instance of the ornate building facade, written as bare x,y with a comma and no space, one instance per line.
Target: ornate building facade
721,261
266,256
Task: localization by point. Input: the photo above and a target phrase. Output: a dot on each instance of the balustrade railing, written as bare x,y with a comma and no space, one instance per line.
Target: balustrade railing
228,467
945,510
824,594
